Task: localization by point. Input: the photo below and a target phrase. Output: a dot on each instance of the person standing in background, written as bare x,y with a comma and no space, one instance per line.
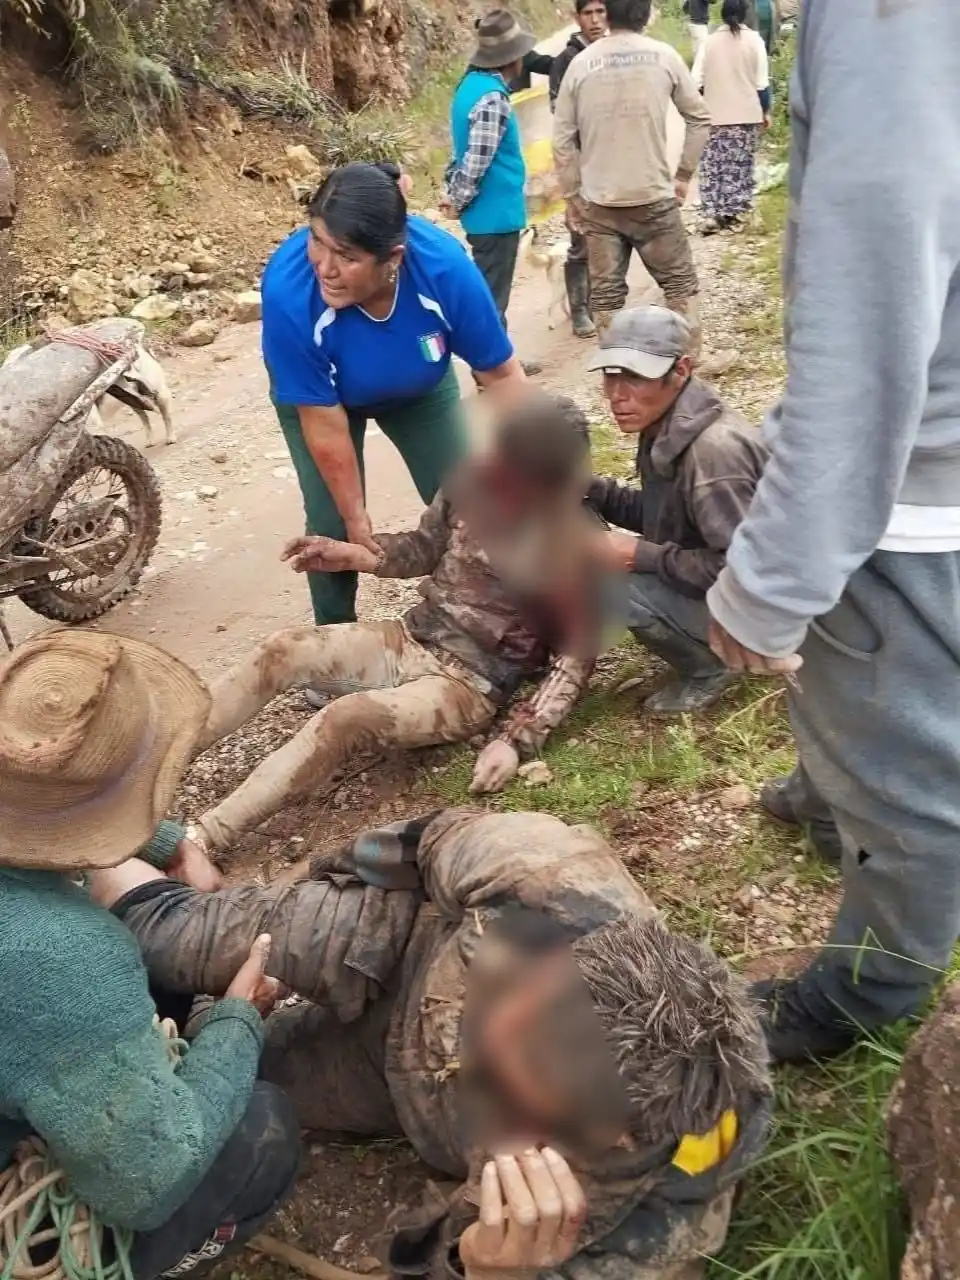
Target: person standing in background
363,311
591,19
848,561
698,22
487,176
613,166
534,64
732,72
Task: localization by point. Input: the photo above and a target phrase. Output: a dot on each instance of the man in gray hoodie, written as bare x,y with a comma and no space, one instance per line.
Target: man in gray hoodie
848,562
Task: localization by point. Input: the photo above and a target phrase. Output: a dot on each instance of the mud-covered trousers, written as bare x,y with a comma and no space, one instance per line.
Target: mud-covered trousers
390,691
657,234
339,945
877,723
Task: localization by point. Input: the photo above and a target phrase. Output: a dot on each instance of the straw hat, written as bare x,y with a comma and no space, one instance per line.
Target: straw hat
500,40
95,732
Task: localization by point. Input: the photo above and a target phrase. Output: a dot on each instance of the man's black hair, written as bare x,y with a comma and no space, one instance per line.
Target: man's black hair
628,15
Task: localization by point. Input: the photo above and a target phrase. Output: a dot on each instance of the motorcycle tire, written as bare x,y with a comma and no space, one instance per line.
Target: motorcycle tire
145,509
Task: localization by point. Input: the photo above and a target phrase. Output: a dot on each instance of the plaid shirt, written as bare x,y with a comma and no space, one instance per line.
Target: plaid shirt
488,121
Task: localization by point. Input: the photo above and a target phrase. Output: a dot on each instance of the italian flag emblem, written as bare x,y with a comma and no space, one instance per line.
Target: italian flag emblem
433,347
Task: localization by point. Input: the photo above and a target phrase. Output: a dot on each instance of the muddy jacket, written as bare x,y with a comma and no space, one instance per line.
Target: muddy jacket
385,930
469,617
698,469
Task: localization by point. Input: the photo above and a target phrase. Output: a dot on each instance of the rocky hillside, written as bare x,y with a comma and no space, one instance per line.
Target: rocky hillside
162,147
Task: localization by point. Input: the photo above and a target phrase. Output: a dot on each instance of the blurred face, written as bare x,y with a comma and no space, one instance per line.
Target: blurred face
348,276
639,403
592,21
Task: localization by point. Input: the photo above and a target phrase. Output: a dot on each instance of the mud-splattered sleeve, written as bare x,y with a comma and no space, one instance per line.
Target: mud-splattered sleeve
532,721
416,553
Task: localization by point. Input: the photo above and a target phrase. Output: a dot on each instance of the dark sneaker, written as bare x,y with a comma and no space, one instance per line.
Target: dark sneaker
776,800
531,367
683,697
793,1034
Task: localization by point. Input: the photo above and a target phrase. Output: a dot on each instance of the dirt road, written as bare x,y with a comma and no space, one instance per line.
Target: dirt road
216,585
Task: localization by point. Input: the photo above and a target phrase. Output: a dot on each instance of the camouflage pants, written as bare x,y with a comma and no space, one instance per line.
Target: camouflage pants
395,693
657,234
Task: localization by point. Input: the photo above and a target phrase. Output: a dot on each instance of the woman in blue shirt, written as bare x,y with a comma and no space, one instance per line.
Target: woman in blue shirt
362,312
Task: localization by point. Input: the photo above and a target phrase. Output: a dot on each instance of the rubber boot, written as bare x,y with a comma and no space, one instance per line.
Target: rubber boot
577,277
700,681
793,802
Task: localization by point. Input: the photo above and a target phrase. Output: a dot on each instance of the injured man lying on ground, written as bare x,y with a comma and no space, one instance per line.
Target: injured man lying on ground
407,948
509,557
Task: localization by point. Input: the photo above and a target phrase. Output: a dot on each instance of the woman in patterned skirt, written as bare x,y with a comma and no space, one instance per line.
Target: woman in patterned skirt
733,75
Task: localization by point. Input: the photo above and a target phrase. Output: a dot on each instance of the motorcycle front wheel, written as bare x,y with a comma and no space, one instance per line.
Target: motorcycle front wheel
105,517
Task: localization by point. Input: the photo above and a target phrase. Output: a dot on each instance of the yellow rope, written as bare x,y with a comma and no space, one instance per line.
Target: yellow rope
41,1216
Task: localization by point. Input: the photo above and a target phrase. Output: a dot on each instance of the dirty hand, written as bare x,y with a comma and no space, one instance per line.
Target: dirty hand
497,764
681,188
531,1212
445,205
766,121
617,550
252,983
191,865
739,658
574,214
315,554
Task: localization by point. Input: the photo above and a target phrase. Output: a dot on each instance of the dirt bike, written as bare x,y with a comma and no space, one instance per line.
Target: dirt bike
79,513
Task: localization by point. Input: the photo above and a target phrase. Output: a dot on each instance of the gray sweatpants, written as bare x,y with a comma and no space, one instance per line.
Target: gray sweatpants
672,626
877,723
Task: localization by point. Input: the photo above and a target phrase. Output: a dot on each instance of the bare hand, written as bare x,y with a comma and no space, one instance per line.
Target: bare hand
617,550
681,188
497,764
315,554
531,1212
191,865
252,983
766,122
739,658
360,532
405,183
574,214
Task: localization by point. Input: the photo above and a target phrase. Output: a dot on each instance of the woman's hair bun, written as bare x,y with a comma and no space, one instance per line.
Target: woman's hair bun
390,168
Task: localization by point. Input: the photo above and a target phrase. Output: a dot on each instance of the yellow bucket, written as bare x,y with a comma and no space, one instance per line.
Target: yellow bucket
535,122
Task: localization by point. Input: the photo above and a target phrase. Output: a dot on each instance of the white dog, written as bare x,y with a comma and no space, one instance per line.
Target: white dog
143,388
550,259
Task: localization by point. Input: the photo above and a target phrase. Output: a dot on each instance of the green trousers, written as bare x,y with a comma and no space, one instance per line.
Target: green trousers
430,434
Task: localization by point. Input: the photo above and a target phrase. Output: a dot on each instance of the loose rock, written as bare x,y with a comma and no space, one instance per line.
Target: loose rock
247,307
923,1128
200,334
735,798
156,307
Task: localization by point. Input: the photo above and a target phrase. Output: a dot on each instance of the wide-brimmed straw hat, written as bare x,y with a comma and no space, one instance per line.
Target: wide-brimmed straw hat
500,40
95,733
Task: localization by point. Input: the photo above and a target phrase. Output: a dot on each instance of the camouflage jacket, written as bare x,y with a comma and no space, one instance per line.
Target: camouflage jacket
472,619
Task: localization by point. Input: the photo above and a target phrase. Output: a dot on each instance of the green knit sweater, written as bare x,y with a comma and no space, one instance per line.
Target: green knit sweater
82,1065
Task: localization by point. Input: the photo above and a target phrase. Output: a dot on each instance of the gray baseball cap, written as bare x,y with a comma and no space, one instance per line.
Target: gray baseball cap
646,341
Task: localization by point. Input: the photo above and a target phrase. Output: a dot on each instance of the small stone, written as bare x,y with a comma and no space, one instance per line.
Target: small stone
219,458
367,1265
736,798
283,473
207,491
221,626
535,773
639,790
200,334
203,263
627,685
155,307
246,307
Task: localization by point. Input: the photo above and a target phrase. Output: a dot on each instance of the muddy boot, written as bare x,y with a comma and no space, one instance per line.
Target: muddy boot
793,802
577,277
603,320
689,695
793,1032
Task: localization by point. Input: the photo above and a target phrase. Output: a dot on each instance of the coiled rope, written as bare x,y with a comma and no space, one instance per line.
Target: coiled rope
40,1217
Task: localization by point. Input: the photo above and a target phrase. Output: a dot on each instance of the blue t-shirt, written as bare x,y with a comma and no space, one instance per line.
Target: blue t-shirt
318,356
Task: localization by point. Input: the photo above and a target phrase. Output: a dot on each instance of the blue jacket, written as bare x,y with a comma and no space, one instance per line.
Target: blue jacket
499,204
